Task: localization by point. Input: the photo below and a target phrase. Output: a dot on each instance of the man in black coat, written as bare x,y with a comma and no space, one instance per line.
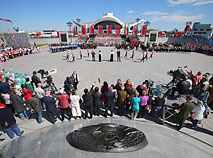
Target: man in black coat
109,102
8,122
35,78
88,102
96,101
50,106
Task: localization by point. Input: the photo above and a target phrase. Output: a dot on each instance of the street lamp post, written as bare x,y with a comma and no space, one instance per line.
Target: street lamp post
147,23
137,20
69,24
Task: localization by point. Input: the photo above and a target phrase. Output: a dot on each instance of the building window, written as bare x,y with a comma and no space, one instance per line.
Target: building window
204,32
208,29
195,29
195,32
201,29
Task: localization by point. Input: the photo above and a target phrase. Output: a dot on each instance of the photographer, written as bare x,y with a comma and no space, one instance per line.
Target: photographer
35,79
68,85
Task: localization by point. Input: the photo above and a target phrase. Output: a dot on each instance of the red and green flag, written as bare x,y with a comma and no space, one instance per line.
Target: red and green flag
117,28
143,30
91,29
100,30
82,30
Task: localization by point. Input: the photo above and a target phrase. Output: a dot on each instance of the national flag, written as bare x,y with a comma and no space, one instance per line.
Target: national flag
13,37
109,29
160,33
91,29
99,29
143,30
117,28
82,30
135,29
126,30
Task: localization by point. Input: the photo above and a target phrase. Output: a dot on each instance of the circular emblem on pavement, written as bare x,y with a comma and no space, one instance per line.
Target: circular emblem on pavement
107,137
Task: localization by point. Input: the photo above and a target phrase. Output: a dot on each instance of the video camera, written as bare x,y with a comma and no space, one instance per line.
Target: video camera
46,74
177,74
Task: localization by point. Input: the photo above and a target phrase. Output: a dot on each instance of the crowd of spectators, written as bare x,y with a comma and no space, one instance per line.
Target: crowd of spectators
108,40
24,97
10,53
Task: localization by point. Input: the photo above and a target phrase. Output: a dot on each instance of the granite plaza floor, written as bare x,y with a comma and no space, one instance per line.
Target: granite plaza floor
47,140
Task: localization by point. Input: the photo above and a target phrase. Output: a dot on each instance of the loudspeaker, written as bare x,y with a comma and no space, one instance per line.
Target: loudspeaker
63,37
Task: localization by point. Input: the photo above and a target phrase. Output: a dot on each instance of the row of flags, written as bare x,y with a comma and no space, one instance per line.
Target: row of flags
109,30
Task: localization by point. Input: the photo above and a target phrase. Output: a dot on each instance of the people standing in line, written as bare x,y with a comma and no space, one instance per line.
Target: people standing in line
104,88
67,56
26,92
29,85
8,122
135,101
97,102
184,113
63,104
40,93
121,101
158,104
143,104
35,79
152,53
125,56
35,106
93,55
18,104
88,102
88,53
118,56
133,54
111,56
100,56
75,105
75,79
109,102
146,56
73,56
50,104
197,114
81,55
143,57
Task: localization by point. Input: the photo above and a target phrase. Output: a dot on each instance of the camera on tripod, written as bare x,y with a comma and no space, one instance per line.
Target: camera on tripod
49,80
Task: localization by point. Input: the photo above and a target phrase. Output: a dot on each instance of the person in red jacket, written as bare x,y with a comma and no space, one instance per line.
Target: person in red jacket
26,92
64,104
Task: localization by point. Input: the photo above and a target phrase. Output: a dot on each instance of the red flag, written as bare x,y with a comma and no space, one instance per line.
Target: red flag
117,30
82,30
37,34
74,30
100,29
187,27
126,30
108,29
135,30
13,37
159,33
143,32
91,30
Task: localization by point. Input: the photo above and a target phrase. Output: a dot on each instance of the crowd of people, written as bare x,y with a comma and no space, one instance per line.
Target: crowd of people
8,53
25,97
